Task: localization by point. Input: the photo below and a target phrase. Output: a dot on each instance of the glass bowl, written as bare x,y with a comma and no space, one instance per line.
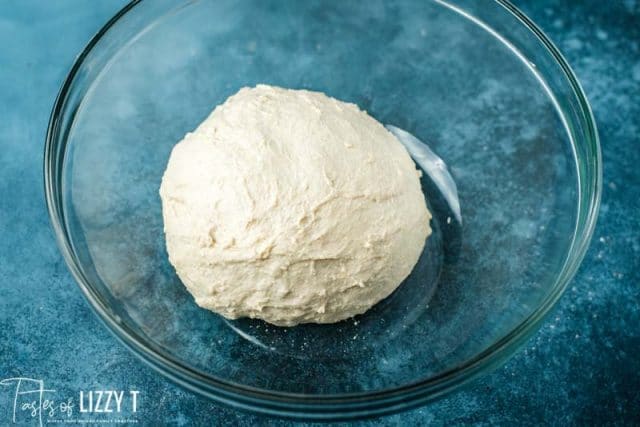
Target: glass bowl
476,81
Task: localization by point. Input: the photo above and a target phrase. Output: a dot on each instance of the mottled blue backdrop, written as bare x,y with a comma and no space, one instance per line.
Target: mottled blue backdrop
583,366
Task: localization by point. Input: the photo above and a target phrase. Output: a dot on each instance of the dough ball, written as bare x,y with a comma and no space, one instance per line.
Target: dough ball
292,207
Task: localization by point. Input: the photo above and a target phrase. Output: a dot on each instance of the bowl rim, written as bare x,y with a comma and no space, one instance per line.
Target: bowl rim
334,406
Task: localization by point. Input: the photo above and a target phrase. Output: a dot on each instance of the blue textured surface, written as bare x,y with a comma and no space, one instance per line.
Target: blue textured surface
581,366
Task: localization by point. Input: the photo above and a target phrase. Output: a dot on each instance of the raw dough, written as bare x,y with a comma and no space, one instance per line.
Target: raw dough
292,207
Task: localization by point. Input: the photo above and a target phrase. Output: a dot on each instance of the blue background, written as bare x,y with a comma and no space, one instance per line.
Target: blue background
583,366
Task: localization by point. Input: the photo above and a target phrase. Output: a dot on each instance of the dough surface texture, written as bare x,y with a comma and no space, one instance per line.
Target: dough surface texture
292,207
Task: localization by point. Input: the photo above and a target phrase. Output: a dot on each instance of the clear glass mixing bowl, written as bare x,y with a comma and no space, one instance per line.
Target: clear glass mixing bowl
475,80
